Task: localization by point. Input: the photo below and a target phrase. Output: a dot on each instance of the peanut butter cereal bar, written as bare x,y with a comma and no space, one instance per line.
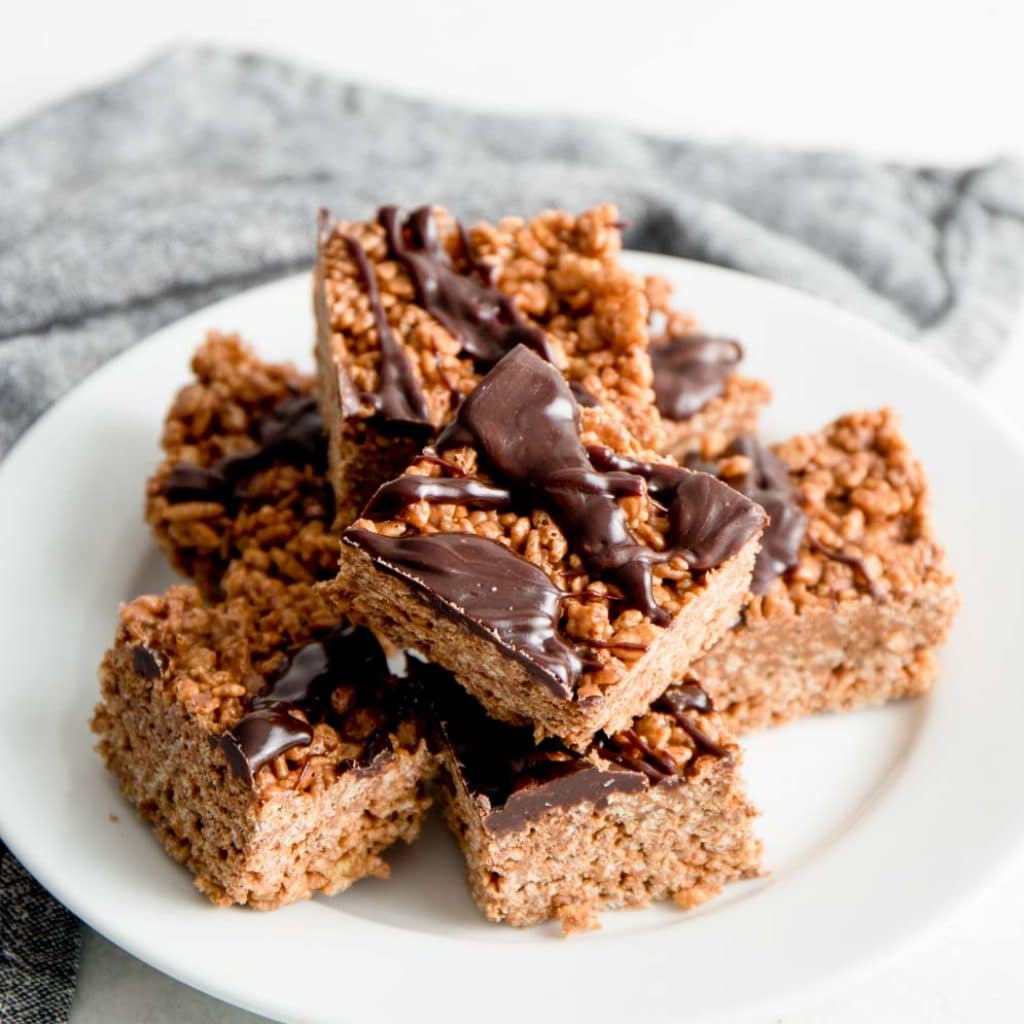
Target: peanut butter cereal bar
270,748
853,594
653,812
244,472
413,310
563,574
704,401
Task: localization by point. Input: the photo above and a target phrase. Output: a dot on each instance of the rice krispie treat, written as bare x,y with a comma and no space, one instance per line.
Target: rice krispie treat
704,401
853,593
270,748
413,310
565,586
656,811
243,475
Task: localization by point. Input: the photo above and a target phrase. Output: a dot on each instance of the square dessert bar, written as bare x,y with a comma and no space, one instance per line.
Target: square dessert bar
704,401
243,474
852,591
413,310
654,812
563,574
271,750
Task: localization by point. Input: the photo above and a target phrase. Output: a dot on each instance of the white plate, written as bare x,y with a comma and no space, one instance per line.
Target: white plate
875,824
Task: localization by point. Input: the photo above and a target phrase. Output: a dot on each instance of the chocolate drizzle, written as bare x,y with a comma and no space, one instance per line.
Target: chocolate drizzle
405,490
148,663
767,482
399,397
501,595
515,782
485,322
282,717
708,521
291,433
631,750
690,370
853,561
525,422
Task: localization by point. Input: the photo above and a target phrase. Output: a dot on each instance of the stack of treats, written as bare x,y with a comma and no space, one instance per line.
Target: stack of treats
516,549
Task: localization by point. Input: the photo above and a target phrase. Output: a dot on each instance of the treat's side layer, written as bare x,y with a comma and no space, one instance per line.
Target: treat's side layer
778,669
734,413
293,834
681,841
391,606
564,277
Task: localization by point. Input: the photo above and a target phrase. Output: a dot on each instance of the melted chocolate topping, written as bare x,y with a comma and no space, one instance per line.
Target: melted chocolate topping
403,491
708,521
515,782
280,718
147,663
500,595
399,396
584,399
290,434
853,561
691,370
485,322
768,483
525,422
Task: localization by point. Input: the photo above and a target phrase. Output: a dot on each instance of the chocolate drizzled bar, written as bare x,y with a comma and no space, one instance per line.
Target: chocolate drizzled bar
563,574
653,812
853,594
412,310
244,472
270,748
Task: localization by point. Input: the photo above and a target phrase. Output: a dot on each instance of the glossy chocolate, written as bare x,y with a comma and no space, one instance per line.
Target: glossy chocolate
500,595
485,322
524,421
403,491
691,370
767,482
709,522
399,397
290,434
148,664
853,561
283,716
514,782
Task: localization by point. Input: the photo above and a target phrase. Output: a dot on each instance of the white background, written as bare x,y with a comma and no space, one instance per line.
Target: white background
936,81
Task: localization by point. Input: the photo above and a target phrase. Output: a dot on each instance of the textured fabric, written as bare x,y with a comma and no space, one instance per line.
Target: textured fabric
125,208
38,950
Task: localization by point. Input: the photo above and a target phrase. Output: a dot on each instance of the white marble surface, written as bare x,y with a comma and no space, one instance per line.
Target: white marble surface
938,82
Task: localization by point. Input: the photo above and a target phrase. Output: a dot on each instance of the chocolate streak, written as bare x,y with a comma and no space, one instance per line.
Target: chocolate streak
399,396
501,596
525,422
708,521
767,482
514,782
406,490
691,370
485,322
281,718
291,434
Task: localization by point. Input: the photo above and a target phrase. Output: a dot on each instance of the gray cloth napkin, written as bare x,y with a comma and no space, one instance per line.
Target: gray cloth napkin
124,208
39,942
